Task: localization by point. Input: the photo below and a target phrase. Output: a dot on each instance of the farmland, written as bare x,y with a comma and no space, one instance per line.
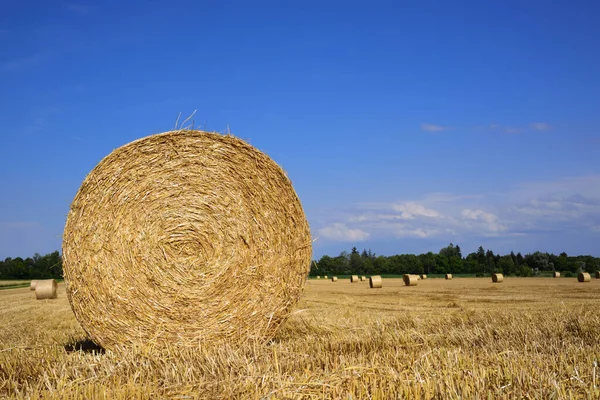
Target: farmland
464,338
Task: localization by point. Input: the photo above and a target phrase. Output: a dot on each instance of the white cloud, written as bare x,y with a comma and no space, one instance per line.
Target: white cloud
485,219
341,233
421,233
540,126
433,128
410,210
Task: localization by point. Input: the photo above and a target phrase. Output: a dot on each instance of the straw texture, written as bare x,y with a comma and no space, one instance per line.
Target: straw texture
185,238
45,289
556,274
448,276
33,284
354,278
410,280
584,277
375,282
497,278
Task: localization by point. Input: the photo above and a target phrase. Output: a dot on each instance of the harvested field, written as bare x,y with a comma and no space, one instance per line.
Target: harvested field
460,338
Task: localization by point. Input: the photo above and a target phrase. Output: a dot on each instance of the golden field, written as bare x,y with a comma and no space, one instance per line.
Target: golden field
468,338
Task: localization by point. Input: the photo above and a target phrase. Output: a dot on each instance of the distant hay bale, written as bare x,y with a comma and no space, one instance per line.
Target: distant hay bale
354,278
325,277
33,284
597,274
318,277
363,278
497,278
187,239
556,274
448,276
46,289
334,279
410,280
423,276
375,282
584,277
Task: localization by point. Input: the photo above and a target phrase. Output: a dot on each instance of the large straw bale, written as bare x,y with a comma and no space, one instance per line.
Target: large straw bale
556,274
33,284
448,276
354,278
185,238
584,277
46,289
497,278
375,282
410,280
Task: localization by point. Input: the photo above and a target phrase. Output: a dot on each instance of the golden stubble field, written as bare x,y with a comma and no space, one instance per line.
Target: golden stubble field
468,338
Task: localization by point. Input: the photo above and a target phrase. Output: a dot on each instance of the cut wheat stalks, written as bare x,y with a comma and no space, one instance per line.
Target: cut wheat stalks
410,280
334,279
448,276
46,289
354,278
185,238
375,282
33,284
584,277
556,274
497,278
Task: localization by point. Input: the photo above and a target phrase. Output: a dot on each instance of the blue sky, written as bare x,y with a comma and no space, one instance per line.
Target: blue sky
404,126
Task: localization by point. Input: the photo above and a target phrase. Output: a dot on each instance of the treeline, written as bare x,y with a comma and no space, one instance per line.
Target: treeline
450,260
36,267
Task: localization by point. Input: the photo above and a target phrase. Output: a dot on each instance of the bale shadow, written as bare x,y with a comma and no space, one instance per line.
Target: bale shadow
86,345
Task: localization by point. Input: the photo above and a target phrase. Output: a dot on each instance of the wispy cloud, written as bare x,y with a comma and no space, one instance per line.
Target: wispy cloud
434,128
410,210
339,232
540,126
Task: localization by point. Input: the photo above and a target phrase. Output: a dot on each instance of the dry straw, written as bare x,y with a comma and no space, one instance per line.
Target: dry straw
423,276
410,280
33,284
448,276
584,277
334,279
363,278
497,278
46,289
185,238
354,278
375,282
556,274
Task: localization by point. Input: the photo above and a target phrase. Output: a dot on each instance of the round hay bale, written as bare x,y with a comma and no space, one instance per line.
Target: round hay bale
375,282
410,280
354,278
46,289
423,276
33,284
318,277
363,278
597,274
325,277
584,277
556,274
497,278
334,279
185,238
448,276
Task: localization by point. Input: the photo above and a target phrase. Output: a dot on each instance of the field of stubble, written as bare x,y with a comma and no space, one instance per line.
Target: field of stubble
467,338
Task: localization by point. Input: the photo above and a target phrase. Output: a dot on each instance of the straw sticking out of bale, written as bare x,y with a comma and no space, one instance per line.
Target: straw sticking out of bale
185,238
410,280
584,277
448,276
363,278
46,289
354,278
334,279
556,274
375,282
33,284
497,278
423,276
